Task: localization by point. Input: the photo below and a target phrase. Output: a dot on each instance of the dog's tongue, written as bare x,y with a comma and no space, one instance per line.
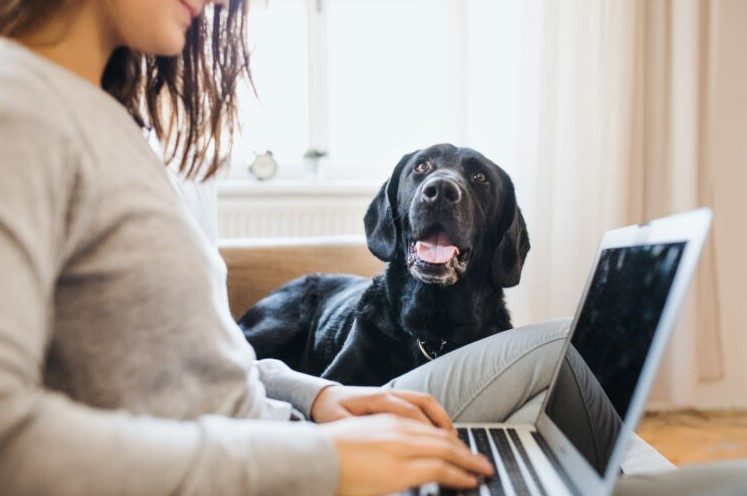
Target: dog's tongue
436,249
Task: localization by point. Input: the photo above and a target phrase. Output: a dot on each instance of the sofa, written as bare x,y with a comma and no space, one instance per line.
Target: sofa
257,266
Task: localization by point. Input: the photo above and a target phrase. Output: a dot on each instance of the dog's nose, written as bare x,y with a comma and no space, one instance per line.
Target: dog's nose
441,189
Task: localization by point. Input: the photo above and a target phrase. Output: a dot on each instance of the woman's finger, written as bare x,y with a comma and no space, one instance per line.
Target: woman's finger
430,407
390,403
425,470
418,440
449,450
412,452
410,404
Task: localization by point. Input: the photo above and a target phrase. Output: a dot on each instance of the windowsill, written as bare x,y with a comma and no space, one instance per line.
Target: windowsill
296,187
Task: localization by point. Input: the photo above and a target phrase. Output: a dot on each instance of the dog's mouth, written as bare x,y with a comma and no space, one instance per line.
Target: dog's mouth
436,260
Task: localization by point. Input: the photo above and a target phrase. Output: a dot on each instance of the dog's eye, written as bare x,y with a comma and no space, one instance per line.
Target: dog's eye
479,177
422,167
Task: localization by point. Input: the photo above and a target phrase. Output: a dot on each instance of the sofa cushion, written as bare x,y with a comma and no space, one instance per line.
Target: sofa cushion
258,266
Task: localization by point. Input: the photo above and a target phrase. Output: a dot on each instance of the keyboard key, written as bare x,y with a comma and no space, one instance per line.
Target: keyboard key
525,456
483,446
509,461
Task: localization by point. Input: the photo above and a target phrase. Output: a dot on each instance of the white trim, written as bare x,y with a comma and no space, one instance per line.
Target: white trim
316,241
318,75
461,60
237,188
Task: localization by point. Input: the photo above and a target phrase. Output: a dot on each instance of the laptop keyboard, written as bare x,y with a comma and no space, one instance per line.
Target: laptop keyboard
496,444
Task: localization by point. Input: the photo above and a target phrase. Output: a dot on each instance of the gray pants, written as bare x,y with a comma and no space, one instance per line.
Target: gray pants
504,378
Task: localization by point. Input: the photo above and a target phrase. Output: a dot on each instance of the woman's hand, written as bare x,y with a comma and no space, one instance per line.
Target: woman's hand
382,454
339,402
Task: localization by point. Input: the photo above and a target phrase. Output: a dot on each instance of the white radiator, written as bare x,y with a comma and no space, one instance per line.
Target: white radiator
282,211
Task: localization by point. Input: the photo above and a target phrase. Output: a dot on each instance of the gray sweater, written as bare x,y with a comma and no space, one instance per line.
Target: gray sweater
121,370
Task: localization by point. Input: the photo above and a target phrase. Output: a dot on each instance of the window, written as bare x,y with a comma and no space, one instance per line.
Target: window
370,80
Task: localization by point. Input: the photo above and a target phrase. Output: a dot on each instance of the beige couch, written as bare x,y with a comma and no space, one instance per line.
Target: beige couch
257,266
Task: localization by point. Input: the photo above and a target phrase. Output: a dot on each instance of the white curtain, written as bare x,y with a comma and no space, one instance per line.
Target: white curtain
632,110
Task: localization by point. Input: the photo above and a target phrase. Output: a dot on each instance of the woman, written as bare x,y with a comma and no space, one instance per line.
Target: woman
121,371
120,368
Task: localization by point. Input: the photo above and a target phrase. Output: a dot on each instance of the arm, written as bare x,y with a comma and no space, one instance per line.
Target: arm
50,444
284,384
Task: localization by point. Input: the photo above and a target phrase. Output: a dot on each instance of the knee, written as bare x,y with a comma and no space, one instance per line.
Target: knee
540,337
552,328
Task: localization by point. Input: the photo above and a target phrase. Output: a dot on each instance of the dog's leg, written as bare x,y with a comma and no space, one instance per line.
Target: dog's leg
280,325
305,322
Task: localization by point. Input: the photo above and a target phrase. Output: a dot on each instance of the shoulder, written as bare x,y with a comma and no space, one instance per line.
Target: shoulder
38,92
51,117
40,150
29,104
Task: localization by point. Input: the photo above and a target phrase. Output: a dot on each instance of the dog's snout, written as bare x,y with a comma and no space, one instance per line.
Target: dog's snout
441,190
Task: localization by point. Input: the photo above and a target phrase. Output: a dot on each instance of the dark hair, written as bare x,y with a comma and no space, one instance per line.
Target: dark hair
189,101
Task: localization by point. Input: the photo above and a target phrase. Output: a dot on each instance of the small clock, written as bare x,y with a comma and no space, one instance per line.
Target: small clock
264,166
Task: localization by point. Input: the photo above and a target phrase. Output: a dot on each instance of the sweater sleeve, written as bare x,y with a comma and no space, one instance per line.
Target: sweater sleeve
51,444
282,383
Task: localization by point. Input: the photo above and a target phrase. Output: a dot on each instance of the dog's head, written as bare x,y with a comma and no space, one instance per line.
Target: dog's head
444,210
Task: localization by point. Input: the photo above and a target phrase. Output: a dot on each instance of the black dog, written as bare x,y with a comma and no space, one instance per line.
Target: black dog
449,226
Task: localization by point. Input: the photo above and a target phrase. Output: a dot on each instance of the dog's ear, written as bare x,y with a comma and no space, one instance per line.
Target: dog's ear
381,233
508,258
380,220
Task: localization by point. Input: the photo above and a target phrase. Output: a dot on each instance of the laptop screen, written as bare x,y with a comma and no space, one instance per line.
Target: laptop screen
612,337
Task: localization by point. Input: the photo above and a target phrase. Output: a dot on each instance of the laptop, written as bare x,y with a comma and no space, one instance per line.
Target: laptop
628,308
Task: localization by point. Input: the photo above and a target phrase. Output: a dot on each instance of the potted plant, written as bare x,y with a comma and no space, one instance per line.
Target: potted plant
312,159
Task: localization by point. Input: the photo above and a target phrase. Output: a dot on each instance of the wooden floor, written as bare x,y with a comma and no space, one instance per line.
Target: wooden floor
691,436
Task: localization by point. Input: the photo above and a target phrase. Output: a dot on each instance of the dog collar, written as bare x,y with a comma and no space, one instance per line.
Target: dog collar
432,354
